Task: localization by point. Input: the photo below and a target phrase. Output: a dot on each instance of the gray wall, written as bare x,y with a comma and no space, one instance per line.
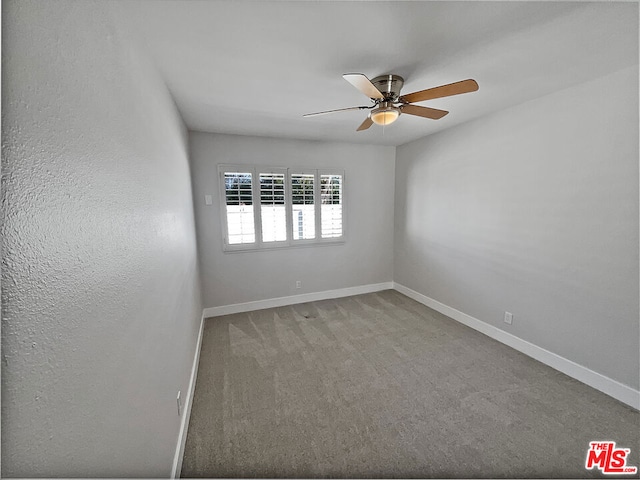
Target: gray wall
100,298
533,210
365,258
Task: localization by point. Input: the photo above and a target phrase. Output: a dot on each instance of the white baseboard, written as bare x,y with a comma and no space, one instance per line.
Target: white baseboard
596,380
186,413
294,299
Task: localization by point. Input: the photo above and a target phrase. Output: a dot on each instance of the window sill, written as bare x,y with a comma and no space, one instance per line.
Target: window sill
326,243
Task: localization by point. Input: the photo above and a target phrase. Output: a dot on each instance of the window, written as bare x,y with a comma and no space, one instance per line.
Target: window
296,207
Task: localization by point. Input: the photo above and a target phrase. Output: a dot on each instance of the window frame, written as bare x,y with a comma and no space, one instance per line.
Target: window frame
260,244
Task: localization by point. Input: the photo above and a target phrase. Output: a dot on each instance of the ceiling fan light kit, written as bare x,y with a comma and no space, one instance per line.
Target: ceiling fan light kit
384,92
385,114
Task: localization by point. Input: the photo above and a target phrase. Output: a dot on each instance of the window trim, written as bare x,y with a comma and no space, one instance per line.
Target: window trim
259,244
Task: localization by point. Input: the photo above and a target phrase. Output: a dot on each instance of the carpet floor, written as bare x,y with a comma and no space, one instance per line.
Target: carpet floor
380,386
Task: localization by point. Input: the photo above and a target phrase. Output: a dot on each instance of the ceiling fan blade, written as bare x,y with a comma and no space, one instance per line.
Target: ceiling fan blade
465,86
338,110
425,112
362,83
364,125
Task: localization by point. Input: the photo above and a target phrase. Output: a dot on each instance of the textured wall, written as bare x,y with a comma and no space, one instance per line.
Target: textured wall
533,210
365,258
100,298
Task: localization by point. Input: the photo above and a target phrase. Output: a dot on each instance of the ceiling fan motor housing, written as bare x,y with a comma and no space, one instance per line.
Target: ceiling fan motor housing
389,86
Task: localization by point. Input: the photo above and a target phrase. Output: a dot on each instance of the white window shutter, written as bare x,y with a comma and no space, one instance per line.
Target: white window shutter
331,193
303,206
273,208
239,207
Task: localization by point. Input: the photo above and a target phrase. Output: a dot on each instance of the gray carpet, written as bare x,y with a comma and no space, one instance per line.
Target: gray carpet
379,385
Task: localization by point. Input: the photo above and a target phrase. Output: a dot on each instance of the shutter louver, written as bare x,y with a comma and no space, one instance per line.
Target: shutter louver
239,207
303,206
272,207
331,208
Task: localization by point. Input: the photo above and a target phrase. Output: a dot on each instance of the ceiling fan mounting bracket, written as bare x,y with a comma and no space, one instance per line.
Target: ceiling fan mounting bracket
389,86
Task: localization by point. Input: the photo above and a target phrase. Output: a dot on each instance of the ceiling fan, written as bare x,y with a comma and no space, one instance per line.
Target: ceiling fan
388,104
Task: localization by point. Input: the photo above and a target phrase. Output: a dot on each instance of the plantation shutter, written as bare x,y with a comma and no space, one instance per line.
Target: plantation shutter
303,206
331,208
273,210
239,207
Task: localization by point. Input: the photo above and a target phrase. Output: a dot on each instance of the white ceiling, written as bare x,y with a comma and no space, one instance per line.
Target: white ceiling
255,67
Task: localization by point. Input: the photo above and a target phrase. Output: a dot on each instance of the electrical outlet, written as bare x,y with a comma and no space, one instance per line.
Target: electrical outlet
179,401
508,318
298,284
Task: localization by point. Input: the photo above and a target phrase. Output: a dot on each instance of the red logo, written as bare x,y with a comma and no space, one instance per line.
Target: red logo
608,458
